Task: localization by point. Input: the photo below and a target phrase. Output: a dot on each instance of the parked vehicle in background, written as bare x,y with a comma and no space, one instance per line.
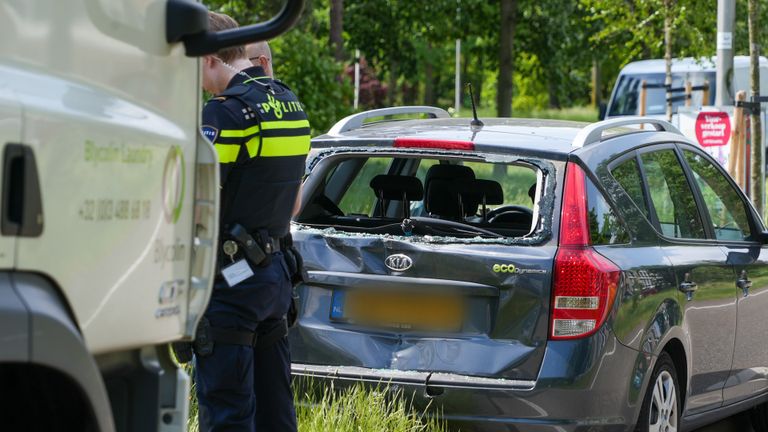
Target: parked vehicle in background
625,97
109,209
533,275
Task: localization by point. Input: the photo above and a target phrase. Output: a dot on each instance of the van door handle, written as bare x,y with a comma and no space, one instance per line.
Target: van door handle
22,208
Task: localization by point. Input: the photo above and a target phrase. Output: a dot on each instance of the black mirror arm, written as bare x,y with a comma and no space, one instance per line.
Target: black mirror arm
187,22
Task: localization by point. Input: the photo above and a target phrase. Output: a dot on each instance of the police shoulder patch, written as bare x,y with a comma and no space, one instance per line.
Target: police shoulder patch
210,132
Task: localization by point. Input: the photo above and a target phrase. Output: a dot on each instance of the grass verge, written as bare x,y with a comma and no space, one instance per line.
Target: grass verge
356,408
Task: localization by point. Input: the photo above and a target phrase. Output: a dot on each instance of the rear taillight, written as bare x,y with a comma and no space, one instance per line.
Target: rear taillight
585,282
443,144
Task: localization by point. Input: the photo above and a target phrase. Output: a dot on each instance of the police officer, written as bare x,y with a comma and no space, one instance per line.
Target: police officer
261,134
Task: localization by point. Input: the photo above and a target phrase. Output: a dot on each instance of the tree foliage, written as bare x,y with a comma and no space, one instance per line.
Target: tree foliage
301,59
409,47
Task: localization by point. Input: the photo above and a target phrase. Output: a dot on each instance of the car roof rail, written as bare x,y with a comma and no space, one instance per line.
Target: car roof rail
355,121
593,133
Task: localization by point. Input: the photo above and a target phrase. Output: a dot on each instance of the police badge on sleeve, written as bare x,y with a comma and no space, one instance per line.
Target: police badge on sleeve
210,132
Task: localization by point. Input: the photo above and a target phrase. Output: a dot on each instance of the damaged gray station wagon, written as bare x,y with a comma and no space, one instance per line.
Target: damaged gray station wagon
533,275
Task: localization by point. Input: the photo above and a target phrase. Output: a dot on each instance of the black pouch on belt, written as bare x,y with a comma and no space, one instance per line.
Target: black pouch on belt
252,249
203,343
182,351
301,275
294,261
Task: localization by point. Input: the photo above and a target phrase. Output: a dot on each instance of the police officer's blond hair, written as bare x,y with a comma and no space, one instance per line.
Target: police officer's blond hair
219,22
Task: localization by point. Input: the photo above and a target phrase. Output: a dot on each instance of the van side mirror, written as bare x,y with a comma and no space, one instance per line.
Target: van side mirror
602,110
762,237
187,21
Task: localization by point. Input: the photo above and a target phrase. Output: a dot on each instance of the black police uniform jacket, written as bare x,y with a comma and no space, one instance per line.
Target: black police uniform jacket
261,133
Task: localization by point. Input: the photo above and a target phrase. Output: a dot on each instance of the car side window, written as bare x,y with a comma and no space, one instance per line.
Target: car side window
726,210
671,196
604,227
628,176
358,199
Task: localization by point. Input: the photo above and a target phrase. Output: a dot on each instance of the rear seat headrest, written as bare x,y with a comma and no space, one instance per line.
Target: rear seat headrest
449,173
446,198
392,187
474,191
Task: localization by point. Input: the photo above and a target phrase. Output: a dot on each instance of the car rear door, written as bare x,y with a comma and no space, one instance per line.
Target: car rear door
459,306
735,228
704,278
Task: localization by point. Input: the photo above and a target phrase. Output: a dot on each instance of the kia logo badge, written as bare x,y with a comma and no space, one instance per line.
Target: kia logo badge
398,262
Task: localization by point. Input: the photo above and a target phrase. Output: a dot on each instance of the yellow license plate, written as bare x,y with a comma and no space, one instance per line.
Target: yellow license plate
416,311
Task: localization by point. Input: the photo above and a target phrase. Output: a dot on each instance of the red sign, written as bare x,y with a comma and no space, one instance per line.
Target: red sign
713,129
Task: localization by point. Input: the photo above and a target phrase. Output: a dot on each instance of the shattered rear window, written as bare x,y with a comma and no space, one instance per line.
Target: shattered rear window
428,196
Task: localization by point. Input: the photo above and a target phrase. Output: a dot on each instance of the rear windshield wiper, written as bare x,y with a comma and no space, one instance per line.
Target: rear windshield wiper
458,227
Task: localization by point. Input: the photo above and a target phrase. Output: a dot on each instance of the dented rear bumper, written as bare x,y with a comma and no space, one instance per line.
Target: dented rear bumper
586,385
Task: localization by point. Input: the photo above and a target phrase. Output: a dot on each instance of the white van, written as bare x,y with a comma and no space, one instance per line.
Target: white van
626,92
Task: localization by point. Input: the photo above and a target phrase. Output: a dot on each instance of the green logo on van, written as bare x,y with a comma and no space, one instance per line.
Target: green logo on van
174,178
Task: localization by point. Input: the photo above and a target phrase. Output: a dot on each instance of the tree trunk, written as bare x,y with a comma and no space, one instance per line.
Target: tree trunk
506,58
552,89
595,83
409,92
756,129
480,74
392,85
668,55
337,28
429,81
466,53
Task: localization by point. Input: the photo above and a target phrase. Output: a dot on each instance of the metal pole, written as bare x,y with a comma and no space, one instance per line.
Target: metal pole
457,102
756,128
357,78
726,16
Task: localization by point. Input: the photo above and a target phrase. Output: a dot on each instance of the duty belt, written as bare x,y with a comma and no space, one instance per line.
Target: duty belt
257,248
266,334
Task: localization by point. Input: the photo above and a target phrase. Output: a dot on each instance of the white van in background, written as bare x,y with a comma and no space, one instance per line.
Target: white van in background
626,92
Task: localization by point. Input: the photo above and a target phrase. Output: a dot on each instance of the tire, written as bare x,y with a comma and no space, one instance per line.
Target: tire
661,406
759,417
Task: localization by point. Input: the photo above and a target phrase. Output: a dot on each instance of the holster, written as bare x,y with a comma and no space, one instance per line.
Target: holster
298,275
295,261
293,310
202,345
182,351
252,248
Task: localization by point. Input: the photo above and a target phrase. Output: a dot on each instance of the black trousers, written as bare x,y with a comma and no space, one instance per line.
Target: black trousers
240,388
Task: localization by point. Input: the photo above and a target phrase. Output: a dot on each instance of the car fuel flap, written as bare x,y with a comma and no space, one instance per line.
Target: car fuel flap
470,309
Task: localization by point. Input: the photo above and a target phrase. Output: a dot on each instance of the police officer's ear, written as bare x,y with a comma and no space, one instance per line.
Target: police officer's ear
209,61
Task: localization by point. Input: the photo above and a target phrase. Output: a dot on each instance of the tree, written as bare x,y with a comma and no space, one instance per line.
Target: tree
553,33
337,29
506,58
301,59
634,29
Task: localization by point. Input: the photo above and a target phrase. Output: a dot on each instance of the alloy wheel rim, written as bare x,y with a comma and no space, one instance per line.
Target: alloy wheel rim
662,416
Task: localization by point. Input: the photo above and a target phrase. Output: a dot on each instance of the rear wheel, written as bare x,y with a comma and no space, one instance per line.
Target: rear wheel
661,406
